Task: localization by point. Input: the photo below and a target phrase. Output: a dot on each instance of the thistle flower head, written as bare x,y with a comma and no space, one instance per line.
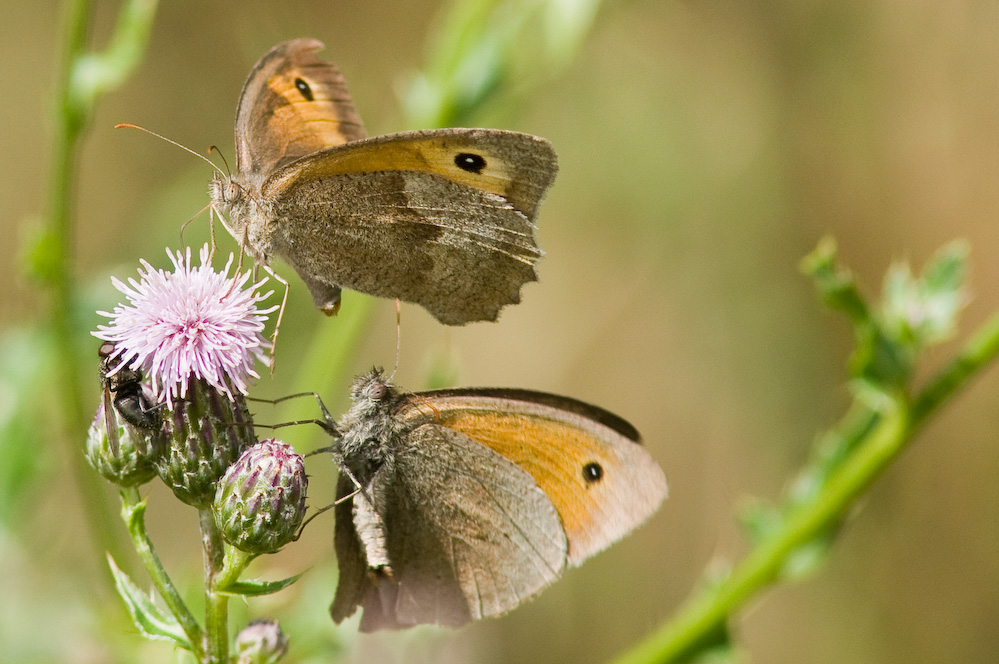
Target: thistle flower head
190,324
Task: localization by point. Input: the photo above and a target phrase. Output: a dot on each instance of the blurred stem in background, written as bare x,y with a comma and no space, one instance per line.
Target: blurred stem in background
83,78
792,539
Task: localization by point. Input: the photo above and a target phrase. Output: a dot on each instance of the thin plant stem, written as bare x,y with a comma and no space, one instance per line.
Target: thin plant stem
57,271
702,620
133,510
216,603
81,80
977,352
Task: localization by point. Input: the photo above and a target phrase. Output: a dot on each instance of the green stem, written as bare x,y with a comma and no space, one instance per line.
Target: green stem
133,512
53,263
702,620
216,603
76,95
235,562
977,352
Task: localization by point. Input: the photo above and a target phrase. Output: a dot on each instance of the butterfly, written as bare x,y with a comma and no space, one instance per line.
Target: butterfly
456,505
443,218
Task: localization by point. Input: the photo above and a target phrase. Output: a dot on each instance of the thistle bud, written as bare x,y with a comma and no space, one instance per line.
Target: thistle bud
261,642
207,431
260,502
125,455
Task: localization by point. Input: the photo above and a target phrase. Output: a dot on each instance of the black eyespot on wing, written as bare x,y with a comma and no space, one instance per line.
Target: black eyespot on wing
471,162
593,472
304,88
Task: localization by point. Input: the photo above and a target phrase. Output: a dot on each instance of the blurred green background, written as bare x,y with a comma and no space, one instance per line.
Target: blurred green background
704,148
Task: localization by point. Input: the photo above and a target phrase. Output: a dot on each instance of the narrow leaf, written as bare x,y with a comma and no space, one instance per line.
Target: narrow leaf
148,617
255,588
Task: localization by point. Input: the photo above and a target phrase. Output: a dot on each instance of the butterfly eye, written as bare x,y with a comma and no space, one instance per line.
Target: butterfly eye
304,88
467,161
593,472
377,391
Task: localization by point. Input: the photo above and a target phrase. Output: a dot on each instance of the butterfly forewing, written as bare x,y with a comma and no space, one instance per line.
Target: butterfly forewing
293,104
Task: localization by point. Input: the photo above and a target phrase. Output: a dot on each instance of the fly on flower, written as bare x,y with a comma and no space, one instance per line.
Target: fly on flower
126,438
122,390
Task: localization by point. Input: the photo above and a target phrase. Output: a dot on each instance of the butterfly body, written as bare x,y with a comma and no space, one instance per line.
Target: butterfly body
472,501
442,218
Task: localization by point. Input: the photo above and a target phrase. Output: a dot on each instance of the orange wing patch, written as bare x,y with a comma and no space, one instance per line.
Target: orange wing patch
423,154
602,484
516,167
312,119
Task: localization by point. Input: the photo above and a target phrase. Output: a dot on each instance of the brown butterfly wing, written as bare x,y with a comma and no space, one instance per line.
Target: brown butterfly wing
441,218
469,535
293,104
587,460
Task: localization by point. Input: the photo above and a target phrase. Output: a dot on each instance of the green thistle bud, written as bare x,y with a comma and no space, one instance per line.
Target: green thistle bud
261,642
127,454
260,502
207,431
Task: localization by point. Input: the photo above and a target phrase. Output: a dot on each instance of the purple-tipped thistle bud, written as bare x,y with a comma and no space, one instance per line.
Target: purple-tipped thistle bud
125,455
260,502
261,642
206,432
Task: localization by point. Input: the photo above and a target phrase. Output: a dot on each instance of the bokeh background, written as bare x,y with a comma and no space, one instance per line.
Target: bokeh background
705,147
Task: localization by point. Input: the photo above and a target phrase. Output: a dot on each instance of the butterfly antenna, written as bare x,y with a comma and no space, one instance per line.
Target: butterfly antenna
280,316
129,125
215,149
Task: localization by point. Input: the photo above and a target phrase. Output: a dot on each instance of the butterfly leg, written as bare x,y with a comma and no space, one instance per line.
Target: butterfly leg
284,301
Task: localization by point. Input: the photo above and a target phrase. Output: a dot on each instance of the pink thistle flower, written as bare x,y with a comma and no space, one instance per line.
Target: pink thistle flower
193,321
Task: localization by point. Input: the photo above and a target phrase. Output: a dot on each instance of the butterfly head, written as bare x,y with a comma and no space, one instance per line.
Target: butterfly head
226,193
236,200
372,390
368,427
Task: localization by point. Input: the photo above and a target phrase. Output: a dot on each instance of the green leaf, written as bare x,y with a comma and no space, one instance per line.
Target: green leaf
724,653
491,51
762,521
759,519
808,558
26,366
923,311
835,284
148,617
256,588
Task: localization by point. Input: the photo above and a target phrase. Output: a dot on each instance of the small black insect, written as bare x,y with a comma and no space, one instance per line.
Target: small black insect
123,391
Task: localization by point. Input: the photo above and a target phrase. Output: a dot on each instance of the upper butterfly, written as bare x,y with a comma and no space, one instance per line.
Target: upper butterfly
443,218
